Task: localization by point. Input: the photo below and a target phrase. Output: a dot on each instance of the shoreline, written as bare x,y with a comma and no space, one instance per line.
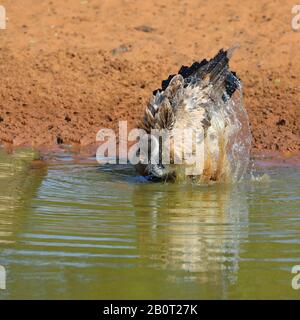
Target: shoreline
84,153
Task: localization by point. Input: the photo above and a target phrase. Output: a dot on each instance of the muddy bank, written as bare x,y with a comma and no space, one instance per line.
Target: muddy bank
69,69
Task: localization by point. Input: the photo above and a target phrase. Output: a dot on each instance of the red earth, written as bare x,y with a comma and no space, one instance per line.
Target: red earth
69,68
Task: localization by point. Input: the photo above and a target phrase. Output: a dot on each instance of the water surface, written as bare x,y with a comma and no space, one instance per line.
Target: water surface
77,230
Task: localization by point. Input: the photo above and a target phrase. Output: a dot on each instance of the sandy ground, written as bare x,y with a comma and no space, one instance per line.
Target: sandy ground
69,68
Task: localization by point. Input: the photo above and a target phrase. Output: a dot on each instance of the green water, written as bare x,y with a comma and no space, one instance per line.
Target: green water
77,230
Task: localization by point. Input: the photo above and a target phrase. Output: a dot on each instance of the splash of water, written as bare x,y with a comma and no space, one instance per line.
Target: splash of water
227,142
238,137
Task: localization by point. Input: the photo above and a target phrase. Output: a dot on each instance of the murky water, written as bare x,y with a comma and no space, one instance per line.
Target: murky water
75,230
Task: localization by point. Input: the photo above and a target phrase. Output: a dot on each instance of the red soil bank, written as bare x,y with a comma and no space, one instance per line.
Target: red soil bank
69,68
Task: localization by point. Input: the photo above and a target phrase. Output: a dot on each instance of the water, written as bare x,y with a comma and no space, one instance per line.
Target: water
77,230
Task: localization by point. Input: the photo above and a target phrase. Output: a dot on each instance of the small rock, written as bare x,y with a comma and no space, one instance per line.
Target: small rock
59,140
277,82
121,49
281,122
144,28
